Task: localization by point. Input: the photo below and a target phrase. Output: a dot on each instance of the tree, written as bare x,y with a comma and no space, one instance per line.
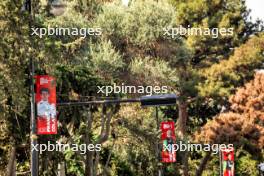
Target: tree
215,14
243,124
202,70
222,78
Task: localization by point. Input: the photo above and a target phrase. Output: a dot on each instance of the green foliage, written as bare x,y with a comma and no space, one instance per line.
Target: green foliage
212,168
138,34
155,72
73,165
106,61
245,165
223,77
212,14
132,49
141,24
144,21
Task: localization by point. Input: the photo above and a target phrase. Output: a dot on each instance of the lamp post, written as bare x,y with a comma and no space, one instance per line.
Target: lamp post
146,101
57,8
33,137
156,101
27,6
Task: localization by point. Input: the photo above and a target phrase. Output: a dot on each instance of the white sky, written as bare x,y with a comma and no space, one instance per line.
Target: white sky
257,8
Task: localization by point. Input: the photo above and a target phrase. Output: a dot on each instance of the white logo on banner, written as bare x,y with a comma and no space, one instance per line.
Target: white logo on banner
43,81
166,126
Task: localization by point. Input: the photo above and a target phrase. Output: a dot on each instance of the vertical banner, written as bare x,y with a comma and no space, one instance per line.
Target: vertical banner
168,154
46,104
227,162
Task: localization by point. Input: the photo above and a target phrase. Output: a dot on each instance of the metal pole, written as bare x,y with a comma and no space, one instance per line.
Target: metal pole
146,101
33,136
220,161
99,102
158,149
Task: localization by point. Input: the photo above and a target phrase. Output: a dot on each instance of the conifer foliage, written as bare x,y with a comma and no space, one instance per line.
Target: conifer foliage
244,123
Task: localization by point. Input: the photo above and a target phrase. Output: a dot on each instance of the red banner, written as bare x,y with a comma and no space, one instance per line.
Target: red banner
46,104
227,162
168,138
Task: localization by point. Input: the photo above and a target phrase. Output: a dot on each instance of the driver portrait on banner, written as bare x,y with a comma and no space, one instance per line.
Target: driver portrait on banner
46,105
228,164
168,154
45,109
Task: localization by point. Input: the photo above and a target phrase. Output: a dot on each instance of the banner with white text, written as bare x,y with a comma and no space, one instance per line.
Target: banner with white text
168,138
46,104
227,162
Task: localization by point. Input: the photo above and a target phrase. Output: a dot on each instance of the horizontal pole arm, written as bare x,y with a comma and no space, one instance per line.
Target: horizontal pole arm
99,102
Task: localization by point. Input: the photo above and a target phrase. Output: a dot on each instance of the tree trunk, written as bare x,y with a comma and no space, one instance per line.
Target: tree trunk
183,116
61,169
185,163
203,163
89,154
96,162
89,164
11,168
